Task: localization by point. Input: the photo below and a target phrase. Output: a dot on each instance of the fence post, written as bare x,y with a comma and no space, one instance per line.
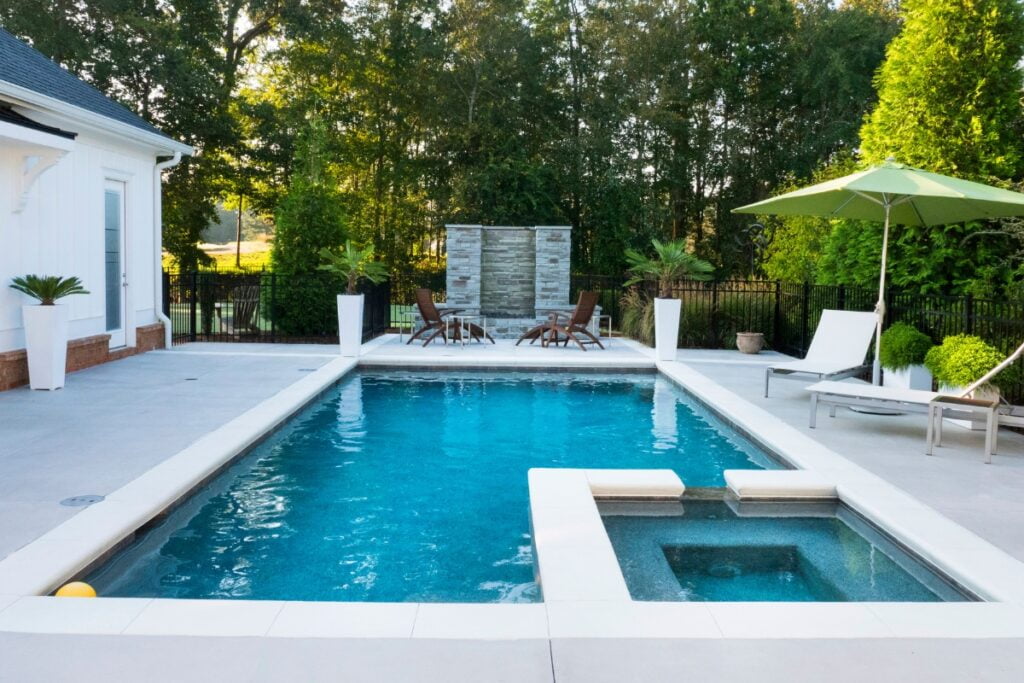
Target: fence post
713,327
273,307
841,299
166,293
193,295
777,332
969,314
804,319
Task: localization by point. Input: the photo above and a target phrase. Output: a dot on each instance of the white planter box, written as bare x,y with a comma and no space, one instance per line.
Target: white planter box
666,327
46,341
914,377
350,323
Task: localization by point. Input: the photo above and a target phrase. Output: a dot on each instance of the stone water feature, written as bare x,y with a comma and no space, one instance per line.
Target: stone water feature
511,275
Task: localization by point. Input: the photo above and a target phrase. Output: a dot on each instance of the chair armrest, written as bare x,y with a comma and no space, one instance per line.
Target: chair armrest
451,311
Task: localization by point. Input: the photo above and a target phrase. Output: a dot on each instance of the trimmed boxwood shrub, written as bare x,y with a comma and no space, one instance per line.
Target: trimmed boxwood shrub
903,345
962,359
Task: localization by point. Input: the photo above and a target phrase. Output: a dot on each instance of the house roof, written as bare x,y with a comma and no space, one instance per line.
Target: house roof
26,67
8,115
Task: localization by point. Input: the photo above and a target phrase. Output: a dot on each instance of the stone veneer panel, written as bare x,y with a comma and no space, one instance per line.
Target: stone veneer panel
464,244
82,353
507,267
553,250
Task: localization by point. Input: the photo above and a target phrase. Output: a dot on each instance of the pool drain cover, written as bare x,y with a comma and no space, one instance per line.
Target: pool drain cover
80,501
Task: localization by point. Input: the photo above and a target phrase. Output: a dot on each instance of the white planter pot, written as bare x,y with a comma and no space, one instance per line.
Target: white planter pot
350,323
914,377
666,328
46,340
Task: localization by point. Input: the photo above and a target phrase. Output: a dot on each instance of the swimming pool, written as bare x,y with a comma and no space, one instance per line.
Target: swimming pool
411,486
711,551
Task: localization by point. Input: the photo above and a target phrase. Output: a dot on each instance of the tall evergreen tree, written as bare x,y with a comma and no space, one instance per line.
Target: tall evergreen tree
949,90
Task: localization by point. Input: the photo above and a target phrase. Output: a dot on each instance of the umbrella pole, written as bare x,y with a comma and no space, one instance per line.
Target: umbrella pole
876,368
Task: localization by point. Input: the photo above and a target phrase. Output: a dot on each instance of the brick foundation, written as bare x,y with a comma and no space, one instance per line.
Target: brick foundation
82,353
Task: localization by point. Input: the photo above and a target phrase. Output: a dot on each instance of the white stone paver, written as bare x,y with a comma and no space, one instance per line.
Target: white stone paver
181,617
486,622
41,614
344,620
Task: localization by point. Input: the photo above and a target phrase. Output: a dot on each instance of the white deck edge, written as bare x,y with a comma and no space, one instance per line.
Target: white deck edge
44,563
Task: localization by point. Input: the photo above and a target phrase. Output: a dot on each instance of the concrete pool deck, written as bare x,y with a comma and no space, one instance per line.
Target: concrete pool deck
539,642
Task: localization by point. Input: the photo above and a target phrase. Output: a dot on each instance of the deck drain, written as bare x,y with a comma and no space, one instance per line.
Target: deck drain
191,379
80,501
307,369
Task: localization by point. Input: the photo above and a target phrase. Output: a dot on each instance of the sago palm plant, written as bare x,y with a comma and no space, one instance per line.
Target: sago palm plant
354,264
670,263
47,289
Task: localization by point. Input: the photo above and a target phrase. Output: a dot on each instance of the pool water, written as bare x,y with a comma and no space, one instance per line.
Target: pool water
797,552
399,486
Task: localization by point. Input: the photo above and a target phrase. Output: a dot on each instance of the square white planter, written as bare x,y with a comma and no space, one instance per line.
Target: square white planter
666,328
46,342
350,324
914,377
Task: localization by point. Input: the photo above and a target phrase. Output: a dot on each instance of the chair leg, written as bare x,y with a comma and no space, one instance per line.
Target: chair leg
438,331
589,334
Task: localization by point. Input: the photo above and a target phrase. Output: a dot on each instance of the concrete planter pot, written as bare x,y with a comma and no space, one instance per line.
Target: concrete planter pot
750,342
666,327
46,342
350,324
913,377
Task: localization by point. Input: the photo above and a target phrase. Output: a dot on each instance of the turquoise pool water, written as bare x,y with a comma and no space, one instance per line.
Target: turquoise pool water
405,486
712,551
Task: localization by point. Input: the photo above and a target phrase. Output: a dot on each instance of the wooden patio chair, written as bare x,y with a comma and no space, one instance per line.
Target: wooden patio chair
245,303
561,328
435,321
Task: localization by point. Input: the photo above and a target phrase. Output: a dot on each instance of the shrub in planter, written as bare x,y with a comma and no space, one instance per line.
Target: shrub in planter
46,326
670,263
963,359
904,348
353,264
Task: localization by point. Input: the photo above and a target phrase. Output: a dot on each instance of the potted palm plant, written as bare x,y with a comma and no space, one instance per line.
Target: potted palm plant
353,264
670,263
46,326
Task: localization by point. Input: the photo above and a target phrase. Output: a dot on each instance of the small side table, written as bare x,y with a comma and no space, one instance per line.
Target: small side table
598,320
966,408
463,325
406,318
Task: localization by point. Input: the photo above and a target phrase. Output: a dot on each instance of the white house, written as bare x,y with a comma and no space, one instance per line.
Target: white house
80,180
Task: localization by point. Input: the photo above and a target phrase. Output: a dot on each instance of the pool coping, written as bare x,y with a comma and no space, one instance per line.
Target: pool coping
37,568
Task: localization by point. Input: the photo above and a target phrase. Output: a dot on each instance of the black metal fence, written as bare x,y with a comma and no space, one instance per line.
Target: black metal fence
265,307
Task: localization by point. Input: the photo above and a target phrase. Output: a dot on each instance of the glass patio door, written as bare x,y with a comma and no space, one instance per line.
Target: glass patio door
114,252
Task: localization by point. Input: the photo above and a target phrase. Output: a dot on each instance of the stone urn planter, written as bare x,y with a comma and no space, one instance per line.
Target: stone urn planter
750,342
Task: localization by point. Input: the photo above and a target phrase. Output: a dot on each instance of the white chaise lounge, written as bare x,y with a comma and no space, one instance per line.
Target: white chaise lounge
838,349
934,404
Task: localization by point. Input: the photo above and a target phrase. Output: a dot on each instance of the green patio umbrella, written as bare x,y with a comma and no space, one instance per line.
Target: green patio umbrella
894,194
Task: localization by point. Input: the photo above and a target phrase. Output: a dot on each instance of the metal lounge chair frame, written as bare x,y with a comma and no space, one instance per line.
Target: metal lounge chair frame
837,351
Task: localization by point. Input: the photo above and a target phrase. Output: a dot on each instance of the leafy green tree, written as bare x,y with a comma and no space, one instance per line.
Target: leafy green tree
311,218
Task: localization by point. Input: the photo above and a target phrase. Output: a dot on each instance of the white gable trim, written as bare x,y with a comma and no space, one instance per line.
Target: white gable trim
95,122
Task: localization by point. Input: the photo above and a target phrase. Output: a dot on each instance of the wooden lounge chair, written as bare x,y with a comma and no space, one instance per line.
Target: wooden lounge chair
561,328
436,322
